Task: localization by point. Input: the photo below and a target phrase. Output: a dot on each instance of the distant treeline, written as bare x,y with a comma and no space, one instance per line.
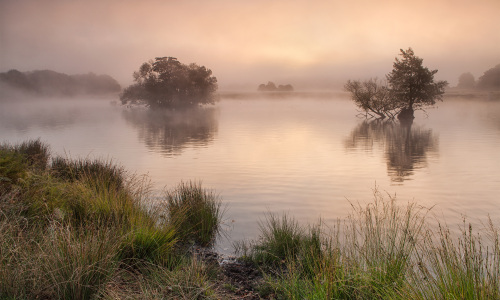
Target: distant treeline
51,83
490,80
271,87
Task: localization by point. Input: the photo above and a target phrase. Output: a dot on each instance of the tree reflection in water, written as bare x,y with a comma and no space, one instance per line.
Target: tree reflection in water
405,146
171,131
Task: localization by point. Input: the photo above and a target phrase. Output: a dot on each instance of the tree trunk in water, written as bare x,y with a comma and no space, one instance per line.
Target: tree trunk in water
405,116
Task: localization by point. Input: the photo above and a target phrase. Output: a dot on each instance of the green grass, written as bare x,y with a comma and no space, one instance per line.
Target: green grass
464,267
382,250
72,229
12,167
195,212
36,152
103,173
16,161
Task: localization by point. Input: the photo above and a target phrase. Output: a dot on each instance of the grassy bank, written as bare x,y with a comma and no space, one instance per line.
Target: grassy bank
84,229
380,251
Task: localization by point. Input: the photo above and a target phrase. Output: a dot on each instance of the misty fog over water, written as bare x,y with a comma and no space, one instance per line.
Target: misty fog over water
305,154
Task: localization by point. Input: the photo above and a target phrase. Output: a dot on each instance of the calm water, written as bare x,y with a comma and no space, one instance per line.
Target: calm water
306,155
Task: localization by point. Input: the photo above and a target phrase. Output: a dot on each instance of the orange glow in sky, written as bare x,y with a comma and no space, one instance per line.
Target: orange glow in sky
250,42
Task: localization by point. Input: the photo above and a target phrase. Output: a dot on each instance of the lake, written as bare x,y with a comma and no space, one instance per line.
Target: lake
305,154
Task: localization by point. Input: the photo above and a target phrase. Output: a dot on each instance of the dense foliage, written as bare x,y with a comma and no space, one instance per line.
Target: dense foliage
166,82
412,85
51,83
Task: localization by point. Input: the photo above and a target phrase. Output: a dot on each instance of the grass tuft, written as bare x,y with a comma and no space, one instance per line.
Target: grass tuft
102,173
12,168
195,212
36,152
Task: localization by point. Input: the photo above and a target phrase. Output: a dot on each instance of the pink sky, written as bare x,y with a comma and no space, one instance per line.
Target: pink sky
245,43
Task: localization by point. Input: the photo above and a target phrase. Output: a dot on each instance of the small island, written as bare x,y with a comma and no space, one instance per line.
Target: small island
168,83
271,87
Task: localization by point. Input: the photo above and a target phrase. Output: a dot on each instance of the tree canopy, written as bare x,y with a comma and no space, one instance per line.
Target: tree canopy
412,85
466,81
166,82
490,79
409,86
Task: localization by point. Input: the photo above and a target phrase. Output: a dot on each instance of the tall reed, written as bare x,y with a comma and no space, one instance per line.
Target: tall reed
369,255
463,267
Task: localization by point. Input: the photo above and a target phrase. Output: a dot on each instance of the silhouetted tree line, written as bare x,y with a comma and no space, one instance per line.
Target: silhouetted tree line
490,80
51,83
166,82
271,87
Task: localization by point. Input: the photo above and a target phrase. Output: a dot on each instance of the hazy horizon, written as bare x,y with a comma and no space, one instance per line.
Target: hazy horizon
316,44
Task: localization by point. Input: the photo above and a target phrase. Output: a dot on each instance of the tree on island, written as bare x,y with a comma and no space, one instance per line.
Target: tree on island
410,86
466,81
166,82
490,79
372,97
271,87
